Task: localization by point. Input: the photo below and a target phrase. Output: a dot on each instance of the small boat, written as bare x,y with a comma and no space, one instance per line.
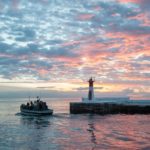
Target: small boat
38,108
36,112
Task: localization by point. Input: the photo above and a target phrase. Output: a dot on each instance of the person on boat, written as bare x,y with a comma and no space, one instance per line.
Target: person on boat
44,106
31,105
40,105
27,105
38,99
37,105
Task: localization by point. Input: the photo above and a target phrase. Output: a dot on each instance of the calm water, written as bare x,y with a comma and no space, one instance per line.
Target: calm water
70,132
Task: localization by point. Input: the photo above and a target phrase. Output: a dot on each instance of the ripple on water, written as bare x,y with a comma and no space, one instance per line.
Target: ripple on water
71,132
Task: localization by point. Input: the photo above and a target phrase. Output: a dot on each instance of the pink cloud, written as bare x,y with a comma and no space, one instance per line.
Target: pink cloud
85,17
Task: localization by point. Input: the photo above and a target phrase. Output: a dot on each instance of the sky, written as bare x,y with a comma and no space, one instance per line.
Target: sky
54,46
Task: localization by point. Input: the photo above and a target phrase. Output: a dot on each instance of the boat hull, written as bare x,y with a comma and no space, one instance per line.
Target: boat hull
36,113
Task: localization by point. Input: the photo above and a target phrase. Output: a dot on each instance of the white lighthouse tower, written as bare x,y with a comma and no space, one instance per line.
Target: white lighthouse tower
91,89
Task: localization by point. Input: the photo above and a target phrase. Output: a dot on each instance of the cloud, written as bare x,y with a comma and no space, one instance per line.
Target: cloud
144,4
143,58
47,87
86,88
51,40
27,34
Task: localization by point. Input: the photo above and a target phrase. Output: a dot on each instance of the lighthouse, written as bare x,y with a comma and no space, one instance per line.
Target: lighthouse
91,89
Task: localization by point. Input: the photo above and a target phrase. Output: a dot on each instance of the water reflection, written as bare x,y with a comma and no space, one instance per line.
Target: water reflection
63,131
92,131
37,122
35,131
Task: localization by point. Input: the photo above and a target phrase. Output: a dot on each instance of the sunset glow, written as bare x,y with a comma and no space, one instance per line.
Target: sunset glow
55,46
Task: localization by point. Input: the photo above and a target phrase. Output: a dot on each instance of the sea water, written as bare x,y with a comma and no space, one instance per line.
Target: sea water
64,131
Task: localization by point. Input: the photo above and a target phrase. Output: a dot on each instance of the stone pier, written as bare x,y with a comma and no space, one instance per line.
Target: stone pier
130,107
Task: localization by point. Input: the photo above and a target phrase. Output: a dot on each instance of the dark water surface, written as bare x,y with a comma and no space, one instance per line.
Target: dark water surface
63,131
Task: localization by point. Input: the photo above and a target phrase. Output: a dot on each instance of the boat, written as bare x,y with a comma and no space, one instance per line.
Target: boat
38,108
36,112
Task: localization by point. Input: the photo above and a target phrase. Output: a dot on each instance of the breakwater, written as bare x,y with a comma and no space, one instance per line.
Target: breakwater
109,108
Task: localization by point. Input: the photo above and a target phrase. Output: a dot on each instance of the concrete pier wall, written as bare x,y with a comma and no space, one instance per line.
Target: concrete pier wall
108,108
